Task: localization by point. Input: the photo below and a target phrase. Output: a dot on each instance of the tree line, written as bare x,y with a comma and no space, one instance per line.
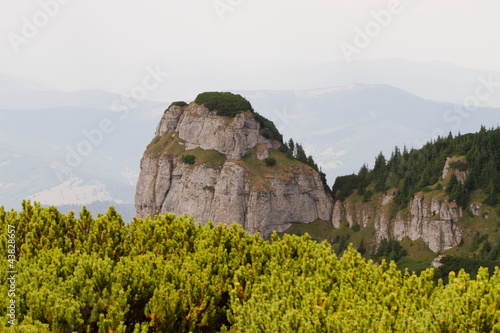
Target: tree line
418,169
296,151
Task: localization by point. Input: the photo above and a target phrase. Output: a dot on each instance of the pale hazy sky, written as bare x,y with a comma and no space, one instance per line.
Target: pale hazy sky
106,44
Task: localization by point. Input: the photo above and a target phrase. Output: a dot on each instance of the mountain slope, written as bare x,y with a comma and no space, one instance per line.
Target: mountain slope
446,195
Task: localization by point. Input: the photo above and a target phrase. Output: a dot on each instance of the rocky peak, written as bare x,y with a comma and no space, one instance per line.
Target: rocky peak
200,127
228,179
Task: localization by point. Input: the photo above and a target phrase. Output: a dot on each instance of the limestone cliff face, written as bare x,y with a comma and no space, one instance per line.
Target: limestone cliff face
234,188
433,220
353,212
428,218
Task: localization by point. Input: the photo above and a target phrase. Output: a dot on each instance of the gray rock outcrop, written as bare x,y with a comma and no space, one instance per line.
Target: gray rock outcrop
230,191
431,219
200,127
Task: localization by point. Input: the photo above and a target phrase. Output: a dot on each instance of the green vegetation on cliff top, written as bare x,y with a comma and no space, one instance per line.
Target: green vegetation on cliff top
229,105
224,103
177,103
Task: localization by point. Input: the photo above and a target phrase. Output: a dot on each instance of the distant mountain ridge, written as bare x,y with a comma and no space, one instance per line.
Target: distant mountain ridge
12,84
438,81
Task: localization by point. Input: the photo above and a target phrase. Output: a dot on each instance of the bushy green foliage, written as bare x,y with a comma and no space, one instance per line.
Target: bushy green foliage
188,159
177,103
225,103
229,105
471,265
389,250
413,171
367,195
361,248
477,240
460,165
267,128
344,186
270,161
457,191
283,148
168,274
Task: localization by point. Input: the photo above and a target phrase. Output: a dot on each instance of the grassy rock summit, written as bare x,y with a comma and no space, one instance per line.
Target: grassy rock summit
216,159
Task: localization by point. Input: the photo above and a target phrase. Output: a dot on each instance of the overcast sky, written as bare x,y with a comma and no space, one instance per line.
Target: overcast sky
82,44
